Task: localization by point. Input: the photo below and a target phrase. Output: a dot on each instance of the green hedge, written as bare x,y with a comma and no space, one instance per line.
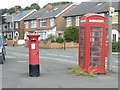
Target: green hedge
116,46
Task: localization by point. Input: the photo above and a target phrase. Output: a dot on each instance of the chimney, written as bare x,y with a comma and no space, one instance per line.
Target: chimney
48,6
17,9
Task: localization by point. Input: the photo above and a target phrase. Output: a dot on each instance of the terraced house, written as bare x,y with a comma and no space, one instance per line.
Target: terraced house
48,20
102,8
13,28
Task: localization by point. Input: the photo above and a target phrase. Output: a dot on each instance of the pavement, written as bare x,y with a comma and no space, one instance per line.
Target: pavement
53,73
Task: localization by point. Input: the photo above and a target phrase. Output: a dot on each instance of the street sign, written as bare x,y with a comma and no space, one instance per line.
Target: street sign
112,11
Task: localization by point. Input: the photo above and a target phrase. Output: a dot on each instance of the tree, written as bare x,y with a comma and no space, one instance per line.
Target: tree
11,10
27,8
71,34
4,11
35,6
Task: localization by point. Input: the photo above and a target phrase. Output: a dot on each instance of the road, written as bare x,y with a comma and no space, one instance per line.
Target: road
53,72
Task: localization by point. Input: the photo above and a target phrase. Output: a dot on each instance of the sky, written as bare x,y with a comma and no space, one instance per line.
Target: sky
23,3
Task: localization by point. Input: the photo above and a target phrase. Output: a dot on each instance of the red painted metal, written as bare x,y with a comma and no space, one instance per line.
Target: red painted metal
92,43
33,49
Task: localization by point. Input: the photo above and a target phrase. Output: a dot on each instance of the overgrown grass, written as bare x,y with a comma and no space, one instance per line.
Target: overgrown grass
79,71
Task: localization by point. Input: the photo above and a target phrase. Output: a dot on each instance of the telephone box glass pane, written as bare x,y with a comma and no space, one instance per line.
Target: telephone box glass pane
95,39
96,29
82,38
95,49
81,60
81,63
82,31
95,54
82,48
95,64
96,34
95,44
81,43
96,59
81,53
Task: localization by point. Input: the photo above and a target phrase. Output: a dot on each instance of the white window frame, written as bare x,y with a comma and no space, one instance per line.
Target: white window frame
10,25
33,24
16,24
26,24
43,21
68,21
52,22
43,35
77,20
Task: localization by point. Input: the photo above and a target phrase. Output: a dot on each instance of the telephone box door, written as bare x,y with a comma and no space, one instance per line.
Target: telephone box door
97,48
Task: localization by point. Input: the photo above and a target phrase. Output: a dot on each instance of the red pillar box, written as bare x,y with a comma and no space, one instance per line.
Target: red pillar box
33,55
92,43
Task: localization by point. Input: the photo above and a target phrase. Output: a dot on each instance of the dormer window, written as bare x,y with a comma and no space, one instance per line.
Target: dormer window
54,9
100,3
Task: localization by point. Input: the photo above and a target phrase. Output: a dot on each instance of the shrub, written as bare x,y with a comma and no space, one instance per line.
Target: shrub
51,37
59,39
116,46
71,34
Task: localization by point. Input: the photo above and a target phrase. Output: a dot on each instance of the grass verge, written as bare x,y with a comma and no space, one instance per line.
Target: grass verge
79,72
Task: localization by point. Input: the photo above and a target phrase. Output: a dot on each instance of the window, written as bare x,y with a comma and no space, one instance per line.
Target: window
33,24
26,24
16,25
95,43
114,38
10,25
95,54
43,23
115,35
77,20
95,64
68,21
52,22
96,59
43,35
95,49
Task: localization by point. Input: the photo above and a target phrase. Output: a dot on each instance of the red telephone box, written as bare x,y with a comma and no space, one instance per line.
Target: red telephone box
92,43
33,55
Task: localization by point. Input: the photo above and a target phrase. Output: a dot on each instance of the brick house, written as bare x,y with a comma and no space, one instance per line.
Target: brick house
48,20
14,25
102,8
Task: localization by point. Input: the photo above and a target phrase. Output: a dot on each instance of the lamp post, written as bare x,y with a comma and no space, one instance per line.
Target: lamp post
109,38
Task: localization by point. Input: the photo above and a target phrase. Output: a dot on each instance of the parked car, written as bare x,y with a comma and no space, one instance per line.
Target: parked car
2,50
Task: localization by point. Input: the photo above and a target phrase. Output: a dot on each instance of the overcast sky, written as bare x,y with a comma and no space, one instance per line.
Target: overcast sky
24,3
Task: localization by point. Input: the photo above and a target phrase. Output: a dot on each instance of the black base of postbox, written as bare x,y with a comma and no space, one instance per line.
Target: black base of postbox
34,70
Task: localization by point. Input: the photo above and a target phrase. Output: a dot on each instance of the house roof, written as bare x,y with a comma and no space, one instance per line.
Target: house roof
43,13
20,16
91,7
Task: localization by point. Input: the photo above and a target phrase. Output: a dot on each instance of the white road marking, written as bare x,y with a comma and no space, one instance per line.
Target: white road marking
60,55
22,61
18,54
56,59
10,57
